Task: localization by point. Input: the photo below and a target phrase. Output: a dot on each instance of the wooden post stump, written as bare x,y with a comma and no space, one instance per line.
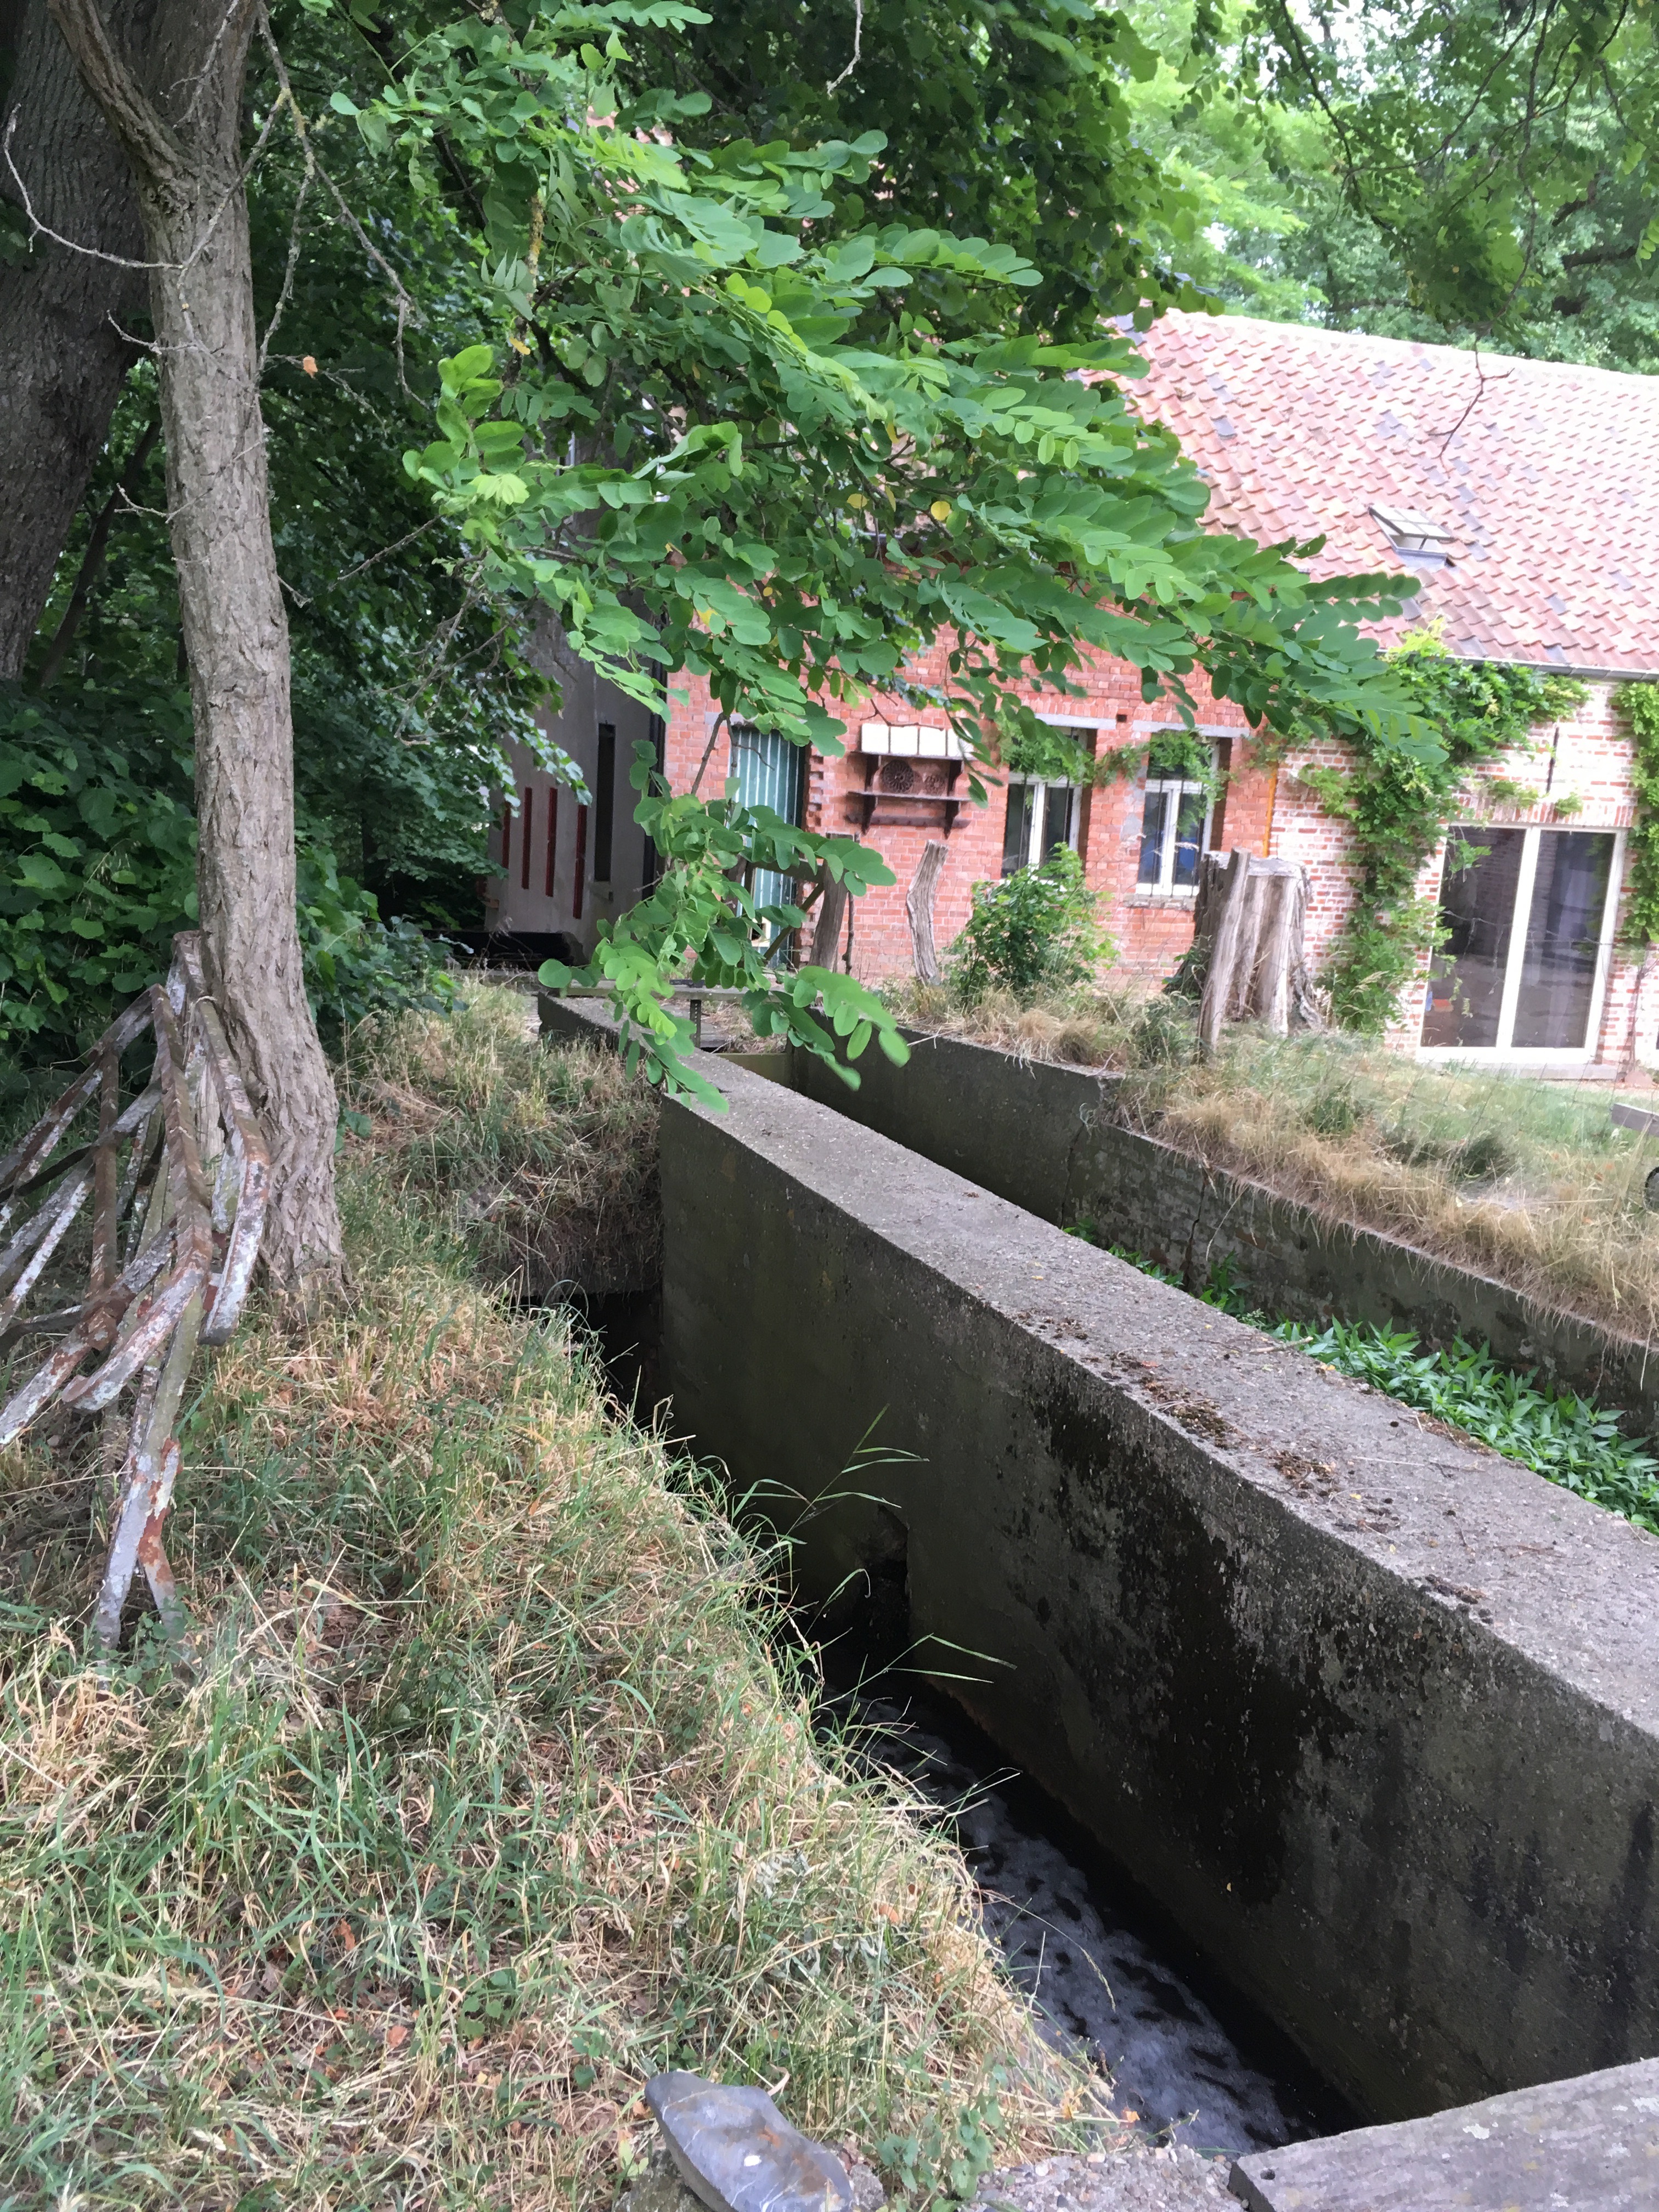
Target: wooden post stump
1253,912
919,905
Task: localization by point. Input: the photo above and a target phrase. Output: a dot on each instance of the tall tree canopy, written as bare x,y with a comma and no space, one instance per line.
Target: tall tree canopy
1504,152
1480,170
714,403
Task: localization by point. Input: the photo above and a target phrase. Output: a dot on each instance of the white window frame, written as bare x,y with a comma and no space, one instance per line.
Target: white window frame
1034,850
1166,887
1535,1055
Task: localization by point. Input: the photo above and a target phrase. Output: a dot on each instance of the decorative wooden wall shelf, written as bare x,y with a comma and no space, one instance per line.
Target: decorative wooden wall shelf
910,774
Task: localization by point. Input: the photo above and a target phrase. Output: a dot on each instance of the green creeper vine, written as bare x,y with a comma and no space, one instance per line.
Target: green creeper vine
1055,755
1398,807
1639,703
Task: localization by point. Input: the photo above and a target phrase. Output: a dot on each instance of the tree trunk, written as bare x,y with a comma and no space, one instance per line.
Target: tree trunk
1226,905
832,918
63,356
180,130
92,561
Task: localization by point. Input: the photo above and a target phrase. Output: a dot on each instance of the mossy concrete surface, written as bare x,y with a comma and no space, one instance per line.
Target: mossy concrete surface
1590,2145
1372,1712
1043,1136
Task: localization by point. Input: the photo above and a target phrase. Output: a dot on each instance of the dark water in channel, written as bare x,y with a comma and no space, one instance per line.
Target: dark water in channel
1194,2059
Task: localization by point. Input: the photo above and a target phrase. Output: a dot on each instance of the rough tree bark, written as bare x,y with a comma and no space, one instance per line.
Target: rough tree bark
62,356
179,125
831,920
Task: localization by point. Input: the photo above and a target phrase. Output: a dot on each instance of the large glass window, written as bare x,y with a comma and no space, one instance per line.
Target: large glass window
1478,884
1523,916
768,772
1562,952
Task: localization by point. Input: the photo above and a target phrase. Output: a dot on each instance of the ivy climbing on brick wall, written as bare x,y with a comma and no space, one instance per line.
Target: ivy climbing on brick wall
1398,807
1638,702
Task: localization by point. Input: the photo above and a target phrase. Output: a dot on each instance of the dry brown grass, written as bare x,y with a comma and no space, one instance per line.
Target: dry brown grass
1526,1180
544,1162
1494,1169
486,1793
1123,1027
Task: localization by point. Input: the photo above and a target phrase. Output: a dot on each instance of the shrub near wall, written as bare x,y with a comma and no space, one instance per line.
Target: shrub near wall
98,870
1035,931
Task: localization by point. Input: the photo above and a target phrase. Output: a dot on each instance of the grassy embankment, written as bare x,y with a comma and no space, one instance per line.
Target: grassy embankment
1526,1180
488,1791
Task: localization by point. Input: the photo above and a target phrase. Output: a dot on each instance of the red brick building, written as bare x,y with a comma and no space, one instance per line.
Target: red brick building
1523,495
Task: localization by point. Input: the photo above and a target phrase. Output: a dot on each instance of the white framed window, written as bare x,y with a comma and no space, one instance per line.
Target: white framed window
1526,918
1175,829
1041,817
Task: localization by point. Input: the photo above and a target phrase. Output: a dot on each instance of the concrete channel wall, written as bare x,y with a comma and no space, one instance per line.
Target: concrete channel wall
1042,1136
1372,1713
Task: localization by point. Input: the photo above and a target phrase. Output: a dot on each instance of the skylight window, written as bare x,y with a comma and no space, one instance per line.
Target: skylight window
1418,539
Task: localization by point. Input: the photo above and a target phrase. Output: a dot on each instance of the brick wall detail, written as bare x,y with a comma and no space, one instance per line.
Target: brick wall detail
1266,808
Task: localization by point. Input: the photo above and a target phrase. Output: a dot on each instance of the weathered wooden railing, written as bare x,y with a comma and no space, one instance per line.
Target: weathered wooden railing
191,1195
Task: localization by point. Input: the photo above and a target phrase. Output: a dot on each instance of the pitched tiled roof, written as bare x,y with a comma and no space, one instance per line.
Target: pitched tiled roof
1545,476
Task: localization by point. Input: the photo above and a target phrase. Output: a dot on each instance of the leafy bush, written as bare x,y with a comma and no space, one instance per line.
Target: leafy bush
98,870
97,861
356,964
1035,931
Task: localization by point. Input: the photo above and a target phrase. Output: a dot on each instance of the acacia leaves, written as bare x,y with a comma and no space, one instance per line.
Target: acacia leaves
707,914
680,448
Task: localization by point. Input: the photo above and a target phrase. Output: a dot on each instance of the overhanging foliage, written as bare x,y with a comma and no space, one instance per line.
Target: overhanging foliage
704,427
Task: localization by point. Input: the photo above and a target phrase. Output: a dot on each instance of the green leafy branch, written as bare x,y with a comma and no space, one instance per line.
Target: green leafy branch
708,431
703,924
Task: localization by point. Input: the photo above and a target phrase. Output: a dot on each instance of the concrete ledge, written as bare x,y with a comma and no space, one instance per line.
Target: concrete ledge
1373,1713
1589,2145
1042,1136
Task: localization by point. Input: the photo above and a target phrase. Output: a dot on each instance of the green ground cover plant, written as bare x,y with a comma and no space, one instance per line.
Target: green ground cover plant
490,1787
1554,1432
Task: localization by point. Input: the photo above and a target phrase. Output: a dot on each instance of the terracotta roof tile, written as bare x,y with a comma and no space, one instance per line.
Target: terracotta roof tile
1546,474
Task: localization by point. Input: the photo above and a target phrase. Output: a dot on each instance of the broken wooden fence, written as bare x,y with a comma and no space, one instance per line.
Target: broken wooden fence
191,1199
